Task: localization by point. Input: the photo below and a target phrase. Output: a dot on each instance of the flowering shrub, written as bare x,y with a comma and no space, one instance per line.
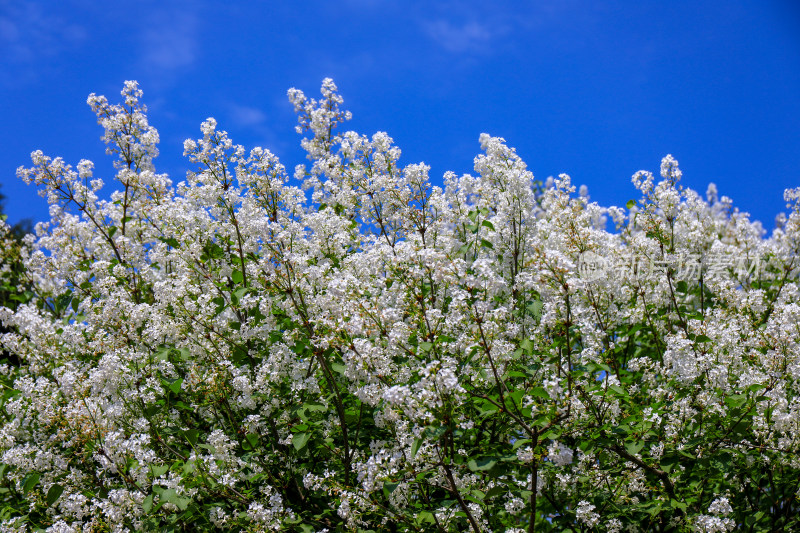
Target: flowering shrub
355,349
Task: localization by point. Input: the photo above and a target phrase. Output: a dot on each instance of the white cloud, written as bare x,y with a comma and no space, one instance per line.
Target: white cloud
169,40
29,35
467,37
246,117
253,123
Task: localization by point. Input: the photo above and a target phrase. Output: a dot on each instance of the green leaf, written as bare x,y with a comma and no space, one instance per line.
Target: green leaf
756,517
240,353
240,292
617,389
415,447
498,490
633,329
515,397
486,463
63,301
174,386
163,353
487,408
299,440
475,496
630,204
488,224
634,447
159,470
147,504
314,406
736,400
425,517
540,392
667,463
434,432
171,241
111,231
535,308
191,435
237,276
54,494
519,442
527,345
30,481
171,496
250,441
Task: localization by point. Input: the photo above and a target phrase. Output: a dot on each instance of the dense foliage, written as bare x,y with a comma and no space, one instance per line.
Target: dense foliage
354,349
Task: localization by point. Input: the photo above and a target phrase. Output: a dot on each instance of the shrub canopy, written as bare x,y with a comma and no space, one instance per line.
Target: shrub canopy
355,349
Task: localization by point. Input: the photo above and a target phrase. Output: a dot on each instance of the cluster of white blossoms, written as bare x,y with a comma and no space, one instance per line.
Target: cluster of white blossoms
354,348
716,521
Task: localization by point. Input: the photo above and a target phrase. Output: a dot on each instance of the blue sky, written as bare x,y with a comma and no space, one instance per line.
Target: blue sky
595,89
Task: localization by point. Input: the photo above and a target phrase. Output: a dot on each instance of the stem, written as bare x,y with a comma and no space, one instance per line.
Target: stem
663,476
534,485
475,527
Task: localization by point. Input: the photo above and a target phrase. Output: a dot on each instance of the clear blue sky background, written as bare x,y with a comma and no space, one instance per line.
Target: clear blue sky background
596,89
